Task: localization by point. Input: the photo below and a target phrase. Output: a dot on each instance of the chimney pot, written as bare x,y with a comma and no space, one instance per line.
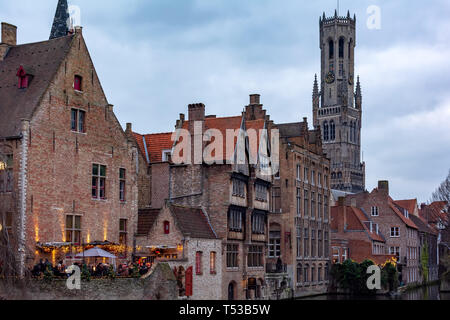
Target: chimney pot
255,99
196,112
383,186
9,34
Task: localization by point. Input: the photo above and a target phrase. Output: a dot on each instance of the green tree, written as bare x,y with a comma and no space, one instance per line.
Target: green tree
424,262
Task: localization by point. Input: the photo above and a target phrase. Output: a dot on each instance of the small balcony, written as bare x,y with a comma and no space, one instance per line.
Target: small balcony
276,268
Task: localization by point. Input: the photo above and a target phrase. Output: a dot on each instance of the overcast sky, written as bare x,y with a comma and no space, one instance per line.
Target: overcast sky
154,57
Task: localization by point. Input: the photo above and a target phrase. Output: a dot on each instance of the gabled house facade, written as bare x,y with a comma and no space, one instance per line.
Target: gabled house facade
70,172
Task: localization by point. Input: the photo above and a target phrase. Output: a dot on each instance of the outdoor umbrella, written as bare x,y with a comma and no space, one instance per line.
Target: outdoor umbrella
96,253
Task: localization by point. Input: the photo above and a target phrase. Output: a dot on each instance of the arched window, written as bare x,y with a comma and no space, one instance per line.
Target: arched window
350,48
306,273
341,47
331,49
299,273
313,273
332,131
319,273
326,132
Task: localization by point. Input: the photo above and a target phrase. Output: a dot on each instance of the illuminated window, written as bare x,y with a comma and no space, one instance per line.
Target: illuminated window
122,184
212,262
123,232
98,181
73,229
6,174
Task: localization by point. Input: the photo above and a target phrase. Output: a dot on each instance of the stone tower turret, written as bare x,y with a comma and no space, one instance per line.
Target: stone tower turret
339,111
61,21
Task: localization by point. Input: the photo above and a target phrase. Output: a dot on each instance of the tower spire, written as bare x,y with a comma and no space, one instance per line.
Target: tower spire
61,21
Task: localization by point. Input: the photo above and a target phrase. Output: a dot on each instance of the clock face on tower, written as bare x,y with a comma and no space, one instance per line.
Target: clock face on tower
330,78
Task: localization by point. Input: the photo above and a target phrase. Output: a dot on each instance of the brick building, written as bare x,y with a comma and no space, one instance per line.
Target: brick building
395,226
71,170
437,216
299,231
229,185
183,237
355,236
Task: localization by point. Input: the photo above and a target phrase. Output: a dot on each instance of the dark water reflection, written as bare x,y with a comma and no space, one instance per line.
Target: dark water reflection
425,293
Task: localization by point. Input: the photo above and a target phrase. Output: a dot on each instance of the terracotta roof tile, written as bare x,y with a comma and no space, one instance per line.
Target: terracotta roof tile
407,221
41,60
409,205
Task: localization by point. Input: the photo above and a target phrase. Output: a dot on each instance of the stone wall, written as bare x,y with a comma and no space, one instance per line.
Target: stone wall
159,285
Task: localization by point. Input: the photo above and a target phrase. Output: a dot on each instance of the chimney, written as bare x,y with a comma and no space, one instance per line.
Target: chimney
129,128
255,99
383,186
9,34
196,112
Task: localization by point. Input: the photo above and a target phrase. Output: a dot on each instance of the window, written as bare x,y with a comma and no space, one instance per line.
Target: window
313,273
327,254
166,155
313,243
332,131
6,174
330,49
325,210
274,244
345,255
166,227
198,263
341,48
235,220
325,181
299,241
123,232
299,172
77,83
24,79
336,256
98,181
319,273
238,188
306,206
319,197
73,229
258,223
122,183
313,178
326,131
299,202
306,243
232,255
255,256
261,192
299,273
313,204
306,273
395,232
276,200
375,212
320,240
306,174
319,179
77,120
212,262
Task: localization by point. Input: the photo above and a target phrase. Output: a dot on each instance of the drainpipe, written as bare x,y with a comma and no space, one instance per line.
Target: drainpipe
23,184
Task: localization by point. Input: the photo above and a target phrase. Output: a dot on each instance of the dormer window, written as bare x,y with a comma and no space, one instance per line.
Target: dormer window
77,83
24,78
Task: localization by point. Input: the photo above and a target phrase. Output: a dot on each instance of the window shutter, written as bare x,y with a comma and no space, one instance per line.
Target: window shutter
166,227
189,283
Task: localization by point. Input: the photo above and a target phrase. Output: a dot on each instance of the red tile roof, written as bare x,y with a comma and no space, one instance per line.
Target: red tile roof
409,205
435,212
407,221
156,144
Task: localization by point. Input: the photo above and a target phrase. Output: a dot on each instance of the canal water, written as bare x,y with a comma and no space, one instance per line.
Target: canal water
424,293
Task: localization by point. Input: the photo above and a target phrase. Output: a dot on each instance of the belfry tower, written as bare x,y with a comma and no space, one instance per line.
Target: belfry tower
337,106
